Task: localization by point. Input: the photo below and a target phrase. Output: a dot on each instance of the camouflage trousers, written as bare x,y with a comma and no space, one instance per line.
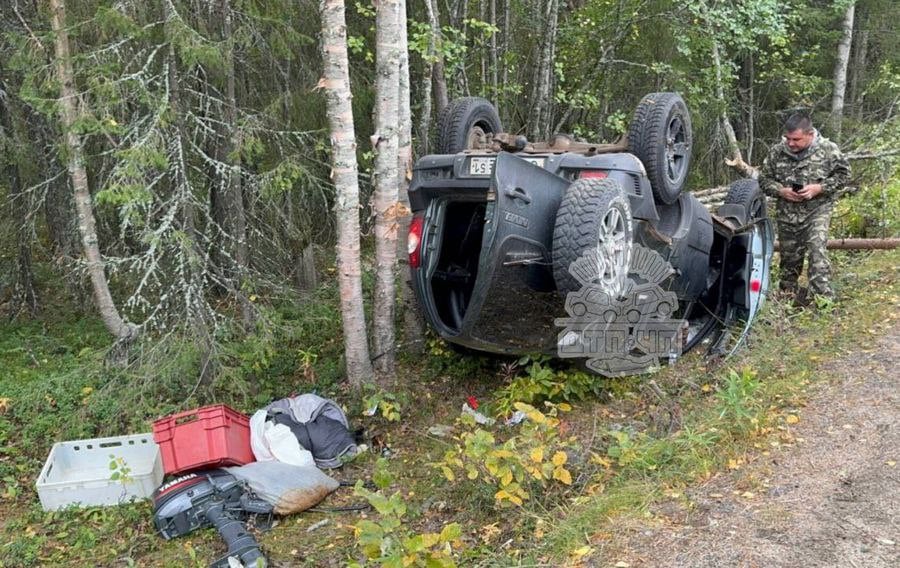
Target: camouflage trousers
796,239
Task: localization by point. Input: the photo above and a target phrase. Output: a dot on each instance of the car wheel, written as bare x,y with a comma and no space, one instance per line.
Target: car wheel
746,192
466,123
660,136
592,237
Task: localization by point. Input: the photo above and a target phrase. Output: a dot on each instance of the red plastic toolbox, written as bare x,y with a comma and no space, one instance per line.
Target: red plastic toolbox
210,436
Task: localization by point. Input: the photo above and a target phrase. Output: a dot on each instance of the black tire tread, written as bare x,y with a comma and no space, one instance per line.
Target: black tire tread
452,134
744,192
576,225
644,138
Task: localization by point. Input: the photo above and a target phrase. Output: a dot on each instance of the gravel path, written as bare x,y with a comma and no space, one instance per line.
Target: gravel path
831,499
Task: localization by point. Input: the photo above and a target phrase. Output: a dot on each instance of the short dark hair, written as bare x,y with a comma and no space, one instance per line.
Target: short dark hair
798,121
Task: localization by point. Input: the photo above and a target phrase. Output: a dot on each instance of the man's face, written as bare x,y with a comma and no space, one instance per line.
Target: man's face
798,140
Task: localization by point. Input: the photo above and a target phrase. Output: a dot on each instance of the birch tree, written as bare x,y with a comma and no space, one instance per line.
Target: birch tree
336,85
539,117
69,115
387,87
413,323
840,71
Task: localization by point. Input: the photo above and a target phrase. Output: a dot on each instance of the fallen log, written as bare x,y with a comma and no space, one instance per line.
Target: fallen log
710,191
858,244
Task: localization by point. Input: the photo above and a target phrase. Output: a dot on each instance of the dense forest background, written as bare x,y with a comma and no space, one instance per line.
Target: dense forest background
201,127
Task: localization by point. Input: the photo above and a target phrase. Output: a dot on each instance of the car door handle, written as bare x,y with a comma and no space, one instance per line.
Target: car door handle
517,193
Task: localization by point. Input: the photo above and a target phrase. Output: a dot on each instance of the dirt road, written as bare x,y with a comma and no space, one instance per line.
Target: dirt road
830,500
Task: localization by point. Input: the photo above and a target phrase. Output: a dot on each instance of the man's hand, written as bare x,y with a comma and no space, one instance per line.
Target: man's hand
789,194
810,191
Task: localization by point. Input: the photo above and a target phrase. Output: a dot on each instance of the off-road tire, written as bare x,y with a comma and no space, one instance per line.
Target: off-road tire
459,118
583,209
747,192
661,126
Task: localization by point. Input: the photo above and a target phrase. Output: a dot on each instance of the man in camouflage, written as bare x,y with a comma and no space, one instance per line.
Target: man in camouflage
804,173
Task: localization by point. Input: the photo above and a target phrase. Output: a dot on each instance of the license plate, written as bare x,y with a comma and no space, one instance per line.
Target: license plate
481,166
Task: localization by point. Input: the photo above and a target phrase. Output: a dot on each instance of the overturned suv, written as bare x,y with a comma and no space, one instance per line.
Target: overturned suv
580,250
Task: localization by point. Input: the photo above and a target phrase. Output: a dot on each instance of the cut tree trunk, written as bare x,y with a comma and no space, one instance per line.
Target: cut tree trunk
387,89
336,85
69,114
840,72
307,278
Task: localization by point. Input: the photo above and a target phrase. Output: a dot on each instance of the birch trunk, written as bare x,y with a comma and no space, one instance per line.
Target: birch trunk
413,324
538,121
438,73
735,159
425,112
840,72
336,85
860,54
233,191
69,114
387,88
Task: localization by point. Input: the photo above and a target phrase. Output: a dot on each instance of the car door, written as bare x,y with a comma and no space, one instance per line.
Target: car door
515,300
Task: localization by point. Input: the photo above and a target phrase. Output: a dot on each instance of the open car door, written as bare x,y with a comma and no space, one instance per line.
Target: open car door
515,299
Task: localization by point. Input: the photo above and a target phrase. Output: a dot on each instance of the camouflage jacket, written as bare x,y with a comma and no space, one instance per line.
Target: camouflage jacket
821,163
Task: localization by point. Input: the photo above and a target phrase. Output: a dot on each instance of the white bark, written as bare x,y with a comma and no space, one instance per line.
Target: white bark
413,324
69,115
387,88
840,72
736,160
539,120
336,84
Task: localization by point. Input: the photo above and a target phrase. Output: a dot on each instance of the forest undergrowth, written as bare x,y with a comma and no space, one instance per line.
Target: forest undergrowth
448,490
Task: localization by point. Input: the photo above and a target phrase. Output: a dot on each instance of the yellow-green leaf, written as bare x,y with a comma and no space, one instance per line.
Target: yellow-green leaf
451,532
448,473
559,458
562,474
537,455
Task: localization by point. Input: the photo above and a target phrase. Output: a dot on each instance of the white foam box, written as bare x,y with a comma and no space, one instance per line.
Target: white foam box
79,473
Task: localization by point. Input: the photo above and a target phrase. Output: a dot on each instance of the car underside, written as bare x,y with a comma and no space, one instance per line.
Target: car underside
568,249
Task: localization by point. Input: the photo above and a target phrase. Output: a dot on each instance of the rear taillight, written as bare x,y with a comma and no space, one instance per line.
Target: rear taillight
414,240
592,174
